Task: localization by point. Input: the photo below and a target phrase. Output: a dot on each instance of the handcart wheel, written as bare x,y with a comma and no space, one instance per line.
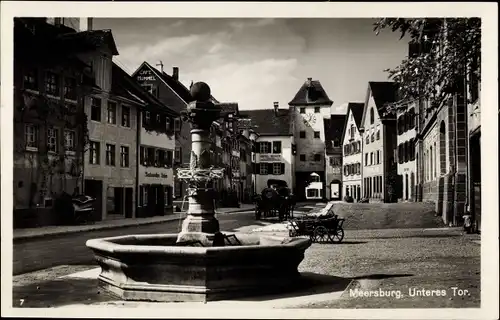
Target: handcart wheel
320,234
337,236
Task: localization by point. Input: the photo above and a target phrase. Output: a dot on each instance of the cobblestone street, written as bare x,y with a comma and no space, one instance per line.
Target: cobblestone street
408,261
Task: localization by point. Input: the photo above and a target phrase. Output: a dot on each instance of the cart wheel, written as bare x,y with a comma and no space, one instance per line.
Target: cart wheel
320,234
337,236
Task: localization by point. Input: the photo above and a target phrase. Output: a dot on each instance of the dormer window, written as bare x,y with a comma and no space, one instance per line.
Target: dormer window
336,143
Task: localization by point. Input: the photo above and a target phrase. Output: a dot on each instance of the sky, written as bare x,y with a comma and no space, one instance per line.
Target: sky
255,62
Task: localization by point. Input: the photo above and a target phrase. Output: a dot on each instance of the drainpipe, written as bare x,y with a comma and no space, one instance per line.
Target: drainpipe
137,160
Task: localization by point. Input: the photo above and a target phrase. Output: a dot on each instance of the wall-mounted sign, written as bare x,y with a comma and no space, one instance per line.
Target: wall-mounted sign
155,175
145,75
269,157
245,123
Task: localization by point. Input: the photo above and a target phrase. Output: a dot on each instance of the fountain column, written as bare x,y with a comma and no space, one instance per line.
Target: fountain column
200,223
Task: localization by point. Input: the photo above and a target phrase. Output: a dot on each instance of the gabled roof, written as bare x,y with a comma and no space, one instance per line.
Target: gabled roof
382,92
179,90
125,86
268,123
333,130
90,40
356,108
357,111
311,93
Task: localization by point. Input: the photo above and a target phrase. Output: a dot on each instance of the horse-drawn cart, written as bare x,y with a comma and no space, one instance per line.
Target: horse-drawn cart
275,200
319,229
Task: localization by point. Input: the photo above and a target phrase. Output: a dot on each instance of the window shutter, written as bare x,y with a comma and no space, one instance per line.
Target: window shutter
282,165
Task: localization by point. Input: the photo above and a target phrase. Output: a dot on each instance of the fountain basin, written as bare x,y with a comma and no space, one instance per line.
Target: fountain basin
152,268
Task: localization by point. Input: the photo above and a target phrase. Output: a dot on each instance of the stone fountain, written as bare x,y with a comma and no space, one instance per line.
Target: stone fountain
200,263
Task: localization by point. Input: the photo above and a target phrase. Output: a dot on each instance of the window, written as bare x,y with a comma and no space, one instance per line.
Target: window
148,88
352,131
111,117
95,152
302,134
177,124
372,137
110,155
31,136
70,88
366,159
178,155
30,80
302,157
336,143
372,116
316,110
368,140
276,146
277,168
125,116
52,139
317,157
150,156
312,193
302,110
378,156
378,134
168,125
69,140
95,109
264,147
52,84
124,157
371,158
263,168
147,118
316,134
358,146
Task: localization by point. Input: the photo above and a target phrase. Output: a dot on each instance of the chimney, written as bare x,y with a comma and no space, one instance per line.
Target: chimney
276,107
309,82
175,73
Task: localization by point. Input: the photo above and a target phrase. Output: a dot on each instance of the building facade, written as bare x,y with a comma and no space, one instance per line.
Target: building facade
380,183
273,156
49,121
110,166
352,152
407,164
333,155
309,107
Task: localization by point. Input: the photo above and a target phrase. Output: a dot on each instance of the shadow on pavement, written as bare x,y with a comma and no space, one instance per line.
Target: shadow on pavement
71,291
60,292
381,276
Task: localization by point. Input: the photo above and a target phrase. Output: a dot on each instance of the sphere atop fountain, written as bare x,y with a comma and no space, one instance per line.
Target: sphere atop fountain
200,91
